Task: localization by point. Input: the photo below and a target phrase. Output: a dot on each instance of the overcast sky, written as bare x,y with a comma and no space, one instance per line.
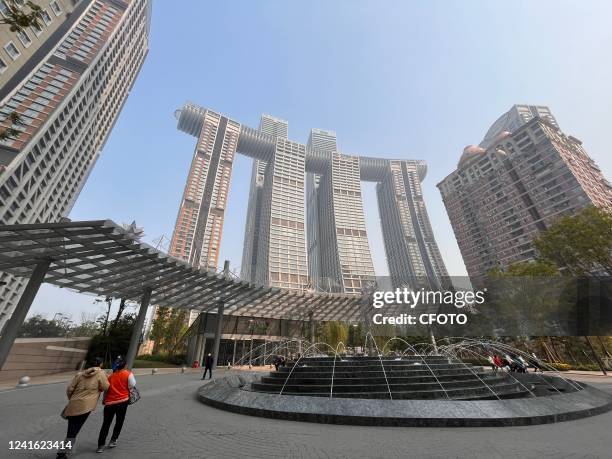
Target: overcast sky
396,79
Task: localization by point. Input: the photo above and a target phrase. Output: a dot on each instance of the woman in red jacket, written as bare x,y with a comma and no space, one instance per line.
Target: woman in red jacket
116,401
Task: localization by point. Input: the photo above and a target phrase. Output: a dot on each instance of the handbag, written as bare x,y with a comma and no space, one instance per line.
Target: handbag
134,395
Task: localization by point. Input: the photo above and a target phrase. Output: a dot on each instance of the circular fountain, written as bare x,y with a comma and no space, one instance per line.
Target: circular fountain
451,384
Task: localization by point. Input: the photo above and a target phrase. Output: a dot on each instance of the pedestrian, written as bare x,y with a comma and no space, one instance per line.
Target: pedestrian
498,362
208,364
115,363
493,364
116,401
83,393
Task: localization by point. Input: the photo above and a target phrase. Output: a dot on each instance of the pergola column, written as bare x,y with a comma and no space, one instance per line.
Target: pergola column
202,351
218,331
21,311
198,348
137,330
312,327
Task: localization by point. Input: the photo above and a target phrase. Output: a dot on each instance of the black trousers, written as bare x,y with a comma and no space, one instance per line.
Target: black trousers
75,423
209,370
110,411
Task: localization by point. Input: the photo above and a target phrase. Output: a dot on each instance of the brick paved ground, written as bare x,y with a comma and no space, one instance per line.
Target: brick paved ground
169,422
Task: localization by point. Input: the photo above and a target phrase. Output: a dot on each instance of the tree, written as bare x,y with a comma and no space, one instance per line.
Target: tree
39,327
168,330
85,328
578,246
581,244
11,130
103,320
19,16
122,305
158,328
334,333
527,269
113,343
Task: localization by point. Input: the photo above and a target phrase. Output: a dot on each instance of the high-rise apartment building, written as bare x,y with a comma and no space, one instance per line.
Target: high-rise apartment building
338,251
197,233
68,81
501,196
412,252
305,225
514,118
274,127
321,139
18,48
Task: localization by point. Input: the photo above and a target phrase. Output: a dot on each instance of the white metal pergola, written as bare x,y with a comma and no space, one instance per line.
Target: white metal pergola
101,258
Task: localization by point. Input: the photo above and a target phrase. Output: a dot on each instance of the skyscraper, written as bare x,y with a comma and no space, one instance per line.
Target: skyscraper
197,233
338,250
321,139
501,196
305,224
517,116
412,252
277,128
68,87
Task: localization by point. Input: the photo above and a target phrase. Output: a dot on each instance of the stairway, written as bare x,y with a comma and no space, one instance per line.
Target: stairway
408,377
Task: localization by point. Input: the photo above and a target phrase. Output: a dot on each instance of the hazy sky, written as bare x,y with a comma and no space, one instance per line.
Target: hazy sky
396,79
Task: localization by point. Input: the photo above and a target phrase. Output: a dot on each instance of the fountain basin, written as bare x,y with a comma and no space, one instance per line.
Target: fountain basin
233,393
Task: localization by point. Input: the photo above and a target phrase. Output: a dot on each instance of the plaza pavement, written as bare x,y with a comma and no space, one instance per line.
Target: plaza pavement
168,422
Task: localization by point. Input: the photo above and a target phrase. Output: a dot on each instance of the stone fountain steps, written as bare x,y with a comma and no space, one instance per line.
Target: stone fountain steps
364,387
470,392
414,377
377,372
386,365
438,360
366,360
380,379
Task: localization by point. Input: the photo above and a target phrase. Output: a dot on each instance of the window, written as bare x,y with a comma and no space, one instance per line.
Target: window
37,29
3,66
12,50
4,9
24,38
56,8
46,17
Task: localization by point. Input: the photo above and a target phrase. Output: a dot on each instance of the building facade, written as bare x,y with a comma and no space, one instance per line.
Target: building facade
68,90
197,234
500,197
305,226
274,127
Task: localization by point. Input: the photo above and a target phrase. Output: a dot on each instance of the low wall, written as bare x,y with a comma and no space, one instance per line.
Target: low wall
43,356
